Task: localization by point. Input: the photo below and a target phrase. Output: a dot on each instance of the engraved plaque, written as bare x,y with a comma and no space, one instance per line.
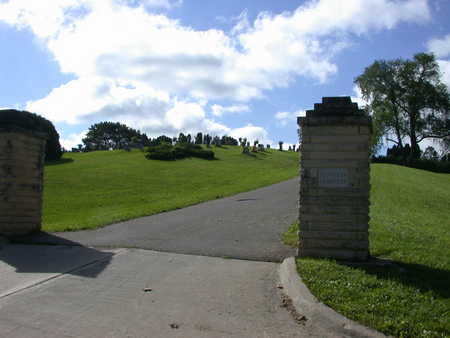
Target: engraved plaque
333,178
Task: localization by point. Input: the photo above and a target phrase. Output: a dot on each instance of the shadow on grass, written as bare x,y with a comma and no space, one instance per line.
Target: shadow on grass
60,161
43,252
254,155
419,276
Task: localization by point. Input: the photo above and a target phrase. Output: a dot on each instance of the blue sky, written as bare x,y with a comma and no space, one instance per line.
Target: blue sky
243,68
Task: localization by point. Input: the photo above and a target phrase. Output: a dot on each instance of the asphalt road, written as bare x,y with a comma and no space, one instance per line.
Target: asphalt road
244,226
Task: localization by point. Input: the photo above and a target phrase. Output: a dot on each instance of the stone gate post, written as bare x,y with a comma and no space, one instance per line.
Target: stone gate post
334,180
21,180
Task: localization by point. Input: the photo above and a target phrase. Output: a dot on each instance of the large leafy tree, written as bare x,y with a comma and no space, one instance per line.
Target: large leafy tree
407,99
115,135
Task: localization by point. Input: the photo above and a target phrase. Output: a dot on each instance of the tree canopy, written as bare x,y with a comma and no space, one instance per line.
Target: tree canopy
407,99
112,135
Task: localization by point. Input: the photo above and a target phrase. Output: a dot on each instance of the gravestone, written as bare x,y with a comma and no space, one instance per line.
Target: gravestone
21,180
334,181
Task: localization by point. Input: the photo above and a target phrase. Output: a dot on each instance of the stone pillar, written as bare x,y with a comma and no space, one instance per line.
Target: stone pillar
334,181
21,180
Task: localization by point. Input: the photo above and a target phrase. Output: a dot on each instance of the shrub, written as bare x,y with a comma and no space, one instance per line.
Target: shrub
163,151
424,164
33,122
168,152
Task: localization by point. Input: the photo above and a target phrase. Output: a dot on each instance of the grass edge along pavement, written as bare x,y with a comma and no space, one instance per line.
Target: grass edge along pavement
89,190
406,292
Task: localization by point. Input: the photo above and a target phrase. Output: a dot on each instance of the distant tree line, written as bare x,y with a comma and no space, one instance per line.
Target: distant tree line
115,135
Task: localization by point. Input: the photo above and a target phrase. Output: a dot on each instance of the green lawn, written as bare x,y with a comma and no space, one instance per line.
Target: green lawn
410,229
88,190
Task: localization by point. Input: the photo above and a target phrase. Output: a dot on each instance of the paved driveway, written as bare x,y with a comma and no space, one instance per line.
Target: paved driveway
244,226
142,293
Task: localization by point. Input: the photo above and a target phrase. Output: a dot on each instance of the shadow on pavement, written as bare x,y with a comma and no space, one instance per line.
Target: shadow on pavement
43,238
61,256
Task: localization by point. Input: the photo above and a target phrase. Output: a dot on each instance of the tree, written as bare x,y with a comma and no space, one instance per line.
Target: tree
216,141
34,122
430,154
207,140
161,139
407,99
182,138
110,135
280,144
229,141
199,138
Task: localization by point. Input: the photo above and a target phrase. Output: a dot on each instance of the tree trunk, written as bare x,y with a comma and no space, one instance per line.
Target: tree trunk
413,137
398,134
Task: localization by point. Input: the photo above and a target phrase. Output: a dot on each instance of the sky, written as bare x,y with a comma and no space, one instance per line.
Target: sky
245,68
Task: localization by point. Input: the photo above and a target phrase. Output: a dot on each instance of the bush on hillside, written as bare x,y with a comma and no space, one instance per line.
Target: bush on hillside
168,152
33,122
424,164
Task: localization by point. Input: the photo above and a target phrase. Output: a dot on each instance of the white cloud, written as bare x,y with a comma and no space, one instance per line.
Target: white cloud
73,140
243,24
44,18
284,118
358,98
95,99
444,67
440,47
167,4
252,133
218,110
89,98
162,53
151,71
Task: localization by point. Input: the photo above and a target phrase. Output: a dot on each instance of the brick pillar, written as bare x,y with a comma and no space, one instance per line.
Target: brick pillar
21,180
334,184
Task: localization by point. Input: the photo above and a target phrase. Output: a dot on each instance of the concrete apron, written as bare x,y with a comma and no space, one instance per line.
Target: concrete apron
57,291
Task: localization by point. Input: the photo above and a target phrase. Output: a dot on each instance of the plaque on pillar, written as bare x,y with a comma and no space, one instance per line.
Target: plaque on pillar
334,181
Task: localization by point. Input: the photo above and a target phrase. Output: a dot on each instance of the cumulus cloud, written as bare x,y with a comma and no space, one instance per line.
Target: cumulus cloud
444,67
218,110
167,4
157,74
440,47
72,140
265,54
252,133
358,98
96,97
141,107
285,118
242,23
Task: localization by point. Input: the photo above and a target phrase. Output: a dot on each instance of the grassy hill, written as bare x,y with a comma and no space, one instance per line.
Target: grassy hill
409,294
87,190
